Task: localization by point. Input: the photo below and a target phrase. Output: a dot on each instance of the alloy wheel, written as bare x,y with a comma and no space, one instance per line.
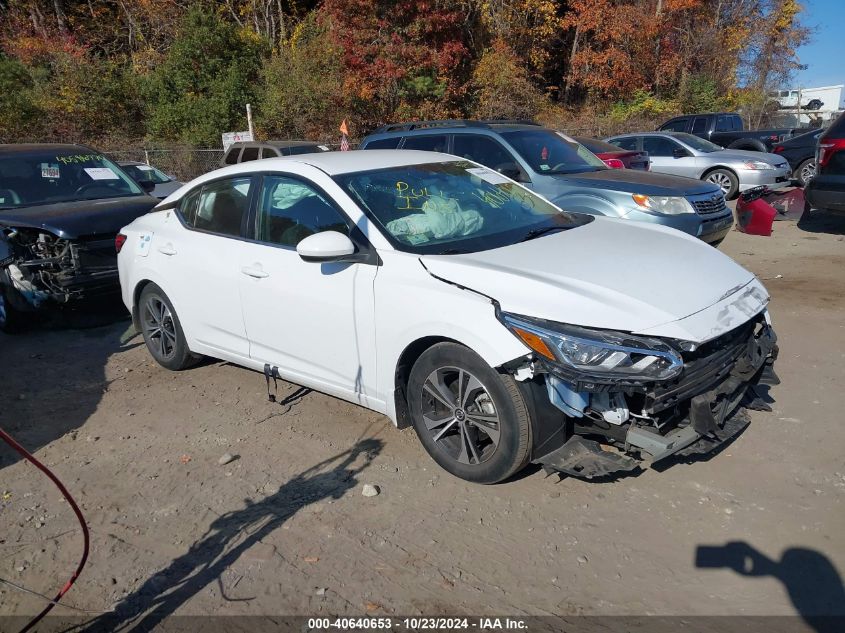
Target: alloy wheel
460,415
721,180
807,172
159,328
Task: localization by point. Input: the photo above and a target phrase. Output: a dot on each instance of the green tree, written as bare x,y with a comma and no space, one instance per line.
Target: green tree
501,87
19,114
300,94
204,81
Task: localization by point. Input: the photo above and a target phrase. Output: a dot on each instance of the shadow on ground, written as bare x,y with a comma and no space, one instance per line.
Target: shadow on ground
52,378
230,536
809,577
820,221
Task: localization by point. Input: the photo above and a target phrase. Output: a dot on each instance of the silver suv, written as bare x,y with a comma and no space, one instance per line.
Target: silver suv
568,174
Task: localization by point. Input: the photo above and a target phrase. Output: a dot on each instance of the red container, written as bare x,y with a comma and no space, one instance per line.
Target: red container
755,216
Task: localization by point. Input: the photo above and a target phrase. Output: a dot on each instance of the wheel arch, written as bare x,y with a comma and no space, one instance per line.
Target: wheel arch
402,373
750,144
713,168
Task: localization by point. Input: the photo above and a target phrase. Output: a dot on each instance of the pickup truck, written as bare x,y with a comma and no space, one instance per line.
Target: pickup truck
725,129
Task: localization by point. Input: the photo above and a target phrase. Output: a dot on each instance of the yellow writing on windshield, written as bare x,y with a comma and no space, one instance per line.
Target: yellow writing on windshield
79,158
411,198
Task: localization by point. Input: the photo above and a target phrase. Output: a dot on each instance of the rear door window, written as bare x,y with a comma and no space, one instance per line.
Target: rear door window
427,143
249,153
384,143
232,155
222,206
267,152
629,142
676,125
699,125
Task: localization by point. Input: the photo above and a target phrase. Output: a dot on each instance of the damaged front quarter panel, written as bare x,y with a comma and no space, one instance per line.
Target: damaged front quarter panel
41,267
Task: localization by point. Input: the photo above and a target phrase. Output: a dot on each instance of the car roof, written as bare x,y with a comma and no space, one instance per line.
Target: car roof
277,143
37,148
451,126
336,163
331,163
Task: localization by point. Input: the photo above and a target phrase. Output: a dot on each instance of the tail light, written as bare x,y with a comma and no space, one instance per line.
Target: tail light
119,241
777,149
614,163
827,148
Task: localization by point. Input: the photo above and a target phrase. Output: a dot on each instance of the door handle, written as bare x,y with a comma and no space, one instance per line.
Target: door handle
254,272
167,249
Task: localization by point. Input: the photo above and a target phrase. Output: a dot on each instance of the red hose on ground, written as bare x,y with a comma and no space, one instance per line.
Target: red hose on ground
30,458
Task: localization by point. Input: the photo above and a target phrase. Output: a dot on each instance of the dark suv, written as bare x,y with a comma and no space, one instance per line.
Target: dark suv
827,188
567,173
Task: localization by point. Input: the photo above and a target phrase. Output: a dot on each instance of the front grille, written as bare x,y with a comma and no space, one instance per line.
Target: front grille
703,368
709,206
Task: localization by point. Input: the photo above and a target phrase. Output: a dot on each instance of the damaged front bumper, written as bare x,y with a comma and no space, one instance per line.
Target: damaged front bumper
702,409
41,268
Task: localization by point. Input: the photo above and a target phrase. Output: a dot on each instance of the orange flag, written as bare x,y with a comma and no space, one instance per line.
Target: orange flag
343,129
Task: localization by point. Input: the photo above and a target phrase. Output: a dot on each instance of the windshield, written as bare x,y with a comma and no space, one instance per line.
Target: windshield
697,143
146,172
61,176
552,153
453,207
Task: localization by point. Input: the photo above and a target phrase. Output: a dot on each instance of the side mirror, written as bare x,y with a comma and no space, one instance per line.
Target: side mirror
326,246
512,171
680,152
147,185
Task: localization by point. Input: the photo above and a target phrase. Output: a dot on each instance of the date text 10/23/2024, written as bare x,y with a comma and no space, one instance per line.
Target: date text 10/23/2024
419,623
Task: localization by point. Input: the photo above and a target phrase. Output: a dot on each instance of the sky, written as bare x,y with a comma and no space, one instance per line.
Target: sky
825,54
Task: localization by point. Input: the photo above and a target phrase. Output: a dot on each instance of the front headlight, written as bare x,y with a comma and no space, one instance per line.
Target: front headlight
667,205
596,357
757,164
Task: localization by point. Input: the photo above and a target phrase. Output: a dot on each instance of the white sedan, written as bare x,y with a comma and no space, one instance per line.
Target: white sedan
447,296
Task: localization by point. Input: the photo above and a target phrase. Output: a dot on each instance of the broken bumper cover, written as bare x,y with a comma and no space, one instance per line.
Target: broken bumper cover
713,394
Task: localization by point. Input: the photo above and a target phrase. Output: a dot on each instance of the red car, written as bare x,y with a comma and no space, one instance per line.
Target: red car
614,157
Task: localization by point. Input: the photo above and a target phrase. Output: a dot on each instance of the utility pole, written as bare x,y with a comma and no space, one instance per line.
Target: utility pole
249,120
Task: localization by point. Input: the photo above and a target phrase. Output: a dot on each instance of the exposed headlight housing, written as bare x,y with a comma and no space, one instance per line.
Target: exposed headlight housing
757,165
664,205
590,359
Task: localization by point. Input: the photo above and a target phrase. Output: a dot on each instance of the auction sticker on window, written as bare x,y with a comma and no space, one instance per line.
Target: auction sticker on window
50,171
144,167
101,173
488,175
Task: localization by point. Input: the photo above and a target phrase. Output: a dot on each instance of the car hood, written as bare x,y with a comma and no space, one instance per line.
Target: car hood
164,189
70,220
741,155
636,181
613,274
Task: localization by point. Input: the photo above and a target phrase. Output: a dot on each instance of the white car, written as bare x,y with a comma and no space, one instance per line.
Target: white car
445,295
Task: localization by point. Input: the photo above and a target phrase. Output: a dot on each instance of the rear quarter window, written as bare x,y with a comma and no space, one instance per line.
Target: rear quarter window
232,155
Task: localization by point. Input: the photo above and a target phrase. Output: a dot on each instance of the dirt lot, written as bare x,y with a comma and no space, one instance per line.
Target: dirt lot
284,529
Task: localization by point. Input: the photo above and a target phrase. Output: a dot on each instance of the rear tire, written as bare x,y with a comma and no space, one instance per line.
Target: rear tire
805,171
470,419
725,179
162,331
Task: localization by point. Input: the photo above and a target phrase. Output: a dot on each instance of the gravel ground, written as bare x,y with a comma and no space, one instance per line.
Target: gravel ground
283,526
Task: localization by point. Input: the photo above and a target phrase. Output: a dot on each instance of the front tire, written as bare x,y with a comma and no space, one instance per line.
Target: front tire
11,319
162,331
471,420
726,180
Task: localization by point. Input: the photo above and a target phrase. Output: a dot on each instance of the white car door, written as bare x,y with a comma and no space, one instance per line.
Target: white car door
199,260
314,321
669,157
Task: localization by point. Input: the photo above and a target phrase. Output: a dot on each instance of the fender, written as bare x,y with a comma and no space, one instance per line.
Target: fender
588,203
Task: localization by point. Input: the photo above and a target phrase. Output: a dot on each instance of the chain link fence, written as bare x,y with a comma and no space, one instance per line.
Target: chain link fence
183,164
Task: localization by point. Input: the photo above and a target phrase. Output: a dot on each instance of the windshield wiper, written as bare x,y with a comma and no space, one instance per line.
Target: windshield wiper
541,231
451,251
